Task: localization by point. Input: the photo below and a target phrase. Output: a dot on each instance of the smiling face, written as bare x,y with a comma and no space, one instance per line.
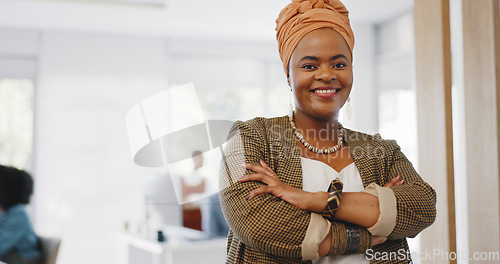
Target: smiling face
321,74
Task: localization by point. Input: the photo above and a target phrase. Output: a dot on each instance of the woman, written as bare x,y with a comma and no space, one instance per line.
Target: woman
18,242
280,210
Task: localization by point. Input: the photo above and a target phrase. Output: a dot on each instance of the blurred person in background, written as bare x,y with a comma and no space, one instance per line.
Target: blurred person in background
214,224
18,242
193,186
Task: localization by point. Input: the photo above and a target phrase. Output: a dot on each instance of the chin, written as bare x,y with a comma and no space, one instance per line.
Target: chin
326,115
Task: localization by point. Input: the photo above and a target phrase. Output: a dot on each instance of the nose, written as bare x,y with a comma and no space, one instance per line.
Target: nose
326,74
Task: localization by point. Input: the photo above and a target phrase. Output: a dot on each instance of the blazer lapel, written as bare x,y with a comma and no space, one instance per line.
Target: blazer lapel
356,142
285,152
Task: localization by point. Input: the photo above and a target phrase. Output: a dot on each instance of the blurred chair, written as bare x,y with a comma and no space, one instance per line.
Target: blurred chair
49,247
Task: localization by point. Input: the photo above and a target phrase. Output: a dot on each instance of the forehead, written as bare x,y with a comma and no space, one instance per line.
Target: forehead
322,42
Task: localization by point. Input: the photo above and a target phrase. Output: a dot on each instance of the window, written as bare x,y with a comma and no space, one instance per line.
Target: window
16,122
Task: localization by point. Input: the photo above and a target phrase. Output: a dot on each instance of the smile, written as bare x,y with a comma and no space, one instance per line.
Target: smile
325,92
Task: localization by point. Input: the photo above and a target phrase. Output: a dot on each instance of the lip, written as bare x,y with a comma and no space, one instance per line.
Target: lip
326,95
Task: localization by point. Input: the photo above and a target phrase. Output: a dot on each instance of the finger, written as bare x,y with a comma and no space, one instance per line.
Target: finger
252,177
389,184
258,191
270,171
257,177
264,164
260,169
393,181
378,240
255,168
400,182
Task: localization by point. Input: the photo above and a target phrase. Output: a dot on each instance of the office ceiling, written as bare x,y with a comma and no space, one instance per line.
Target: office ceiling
191,18
364,10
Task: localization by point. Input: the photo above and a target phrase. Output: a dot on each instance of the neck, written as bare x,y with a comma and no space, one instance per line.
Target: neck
315,129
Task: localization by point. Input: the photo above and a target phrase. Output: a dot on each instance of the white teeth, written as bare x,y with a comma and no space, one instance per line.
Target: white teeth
325,91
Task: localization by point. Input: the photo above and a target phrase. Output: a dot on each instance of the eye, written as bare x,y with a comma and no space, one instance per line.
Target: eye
339,65
308,67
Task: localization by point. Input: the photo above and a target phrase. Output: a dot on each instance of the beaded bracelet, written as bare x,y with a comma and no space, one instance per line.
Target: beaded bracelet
333,202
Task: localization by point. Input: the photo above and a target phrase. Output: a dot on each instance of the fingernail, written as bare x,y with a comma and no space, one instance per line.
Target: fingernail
247,197
244,164
397,176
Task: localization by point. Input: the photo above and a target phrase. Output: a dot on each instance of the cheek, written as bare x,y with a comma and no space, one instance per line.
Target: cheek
299,81
297,78
348,79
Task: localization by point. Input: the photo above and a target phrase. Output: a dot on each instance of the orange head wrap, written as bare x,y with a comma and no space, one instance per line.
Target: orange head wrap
303,16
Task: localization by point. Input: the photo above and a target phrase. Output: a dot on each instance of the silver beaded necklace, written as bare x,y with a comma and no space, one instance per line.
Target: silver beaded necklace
306,144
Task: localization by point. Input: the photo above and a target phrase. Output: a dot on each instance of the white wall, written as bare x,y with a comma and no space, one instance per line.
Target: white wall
87,184
235,80
222,19
364,94
18,53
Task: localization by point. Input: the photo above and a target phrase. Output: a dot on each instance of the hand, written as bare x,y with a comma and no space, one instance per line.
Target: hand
294,196
395,181
376,240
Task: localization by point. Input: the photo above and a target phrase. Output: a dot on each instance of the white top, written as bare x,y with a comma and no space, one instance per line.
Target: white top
317,176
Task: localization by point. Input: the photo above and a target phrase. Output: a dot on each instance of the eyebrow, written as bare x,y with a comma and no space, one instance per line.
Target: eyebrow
316,58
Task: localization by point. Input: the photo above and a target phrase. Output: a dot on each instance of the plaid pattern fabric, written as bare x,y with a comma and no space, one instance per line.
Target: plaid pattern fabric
269,230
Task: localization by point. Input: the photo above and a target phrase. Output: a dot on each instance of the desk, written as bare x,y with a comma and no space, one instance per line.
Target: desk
178,249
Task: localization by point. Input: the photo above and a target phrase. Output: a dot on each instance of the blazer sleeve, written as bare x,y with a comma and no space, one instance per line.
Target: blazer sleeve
416,200
266,222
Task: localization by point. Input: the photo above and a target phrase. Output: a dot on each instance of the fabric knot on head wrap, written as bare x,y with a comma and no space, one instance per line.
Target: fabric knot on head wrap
303,16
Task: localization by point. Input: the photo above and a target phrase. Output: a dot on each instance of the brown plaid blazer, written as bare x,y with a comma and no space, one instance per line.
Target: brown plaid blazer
266,229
